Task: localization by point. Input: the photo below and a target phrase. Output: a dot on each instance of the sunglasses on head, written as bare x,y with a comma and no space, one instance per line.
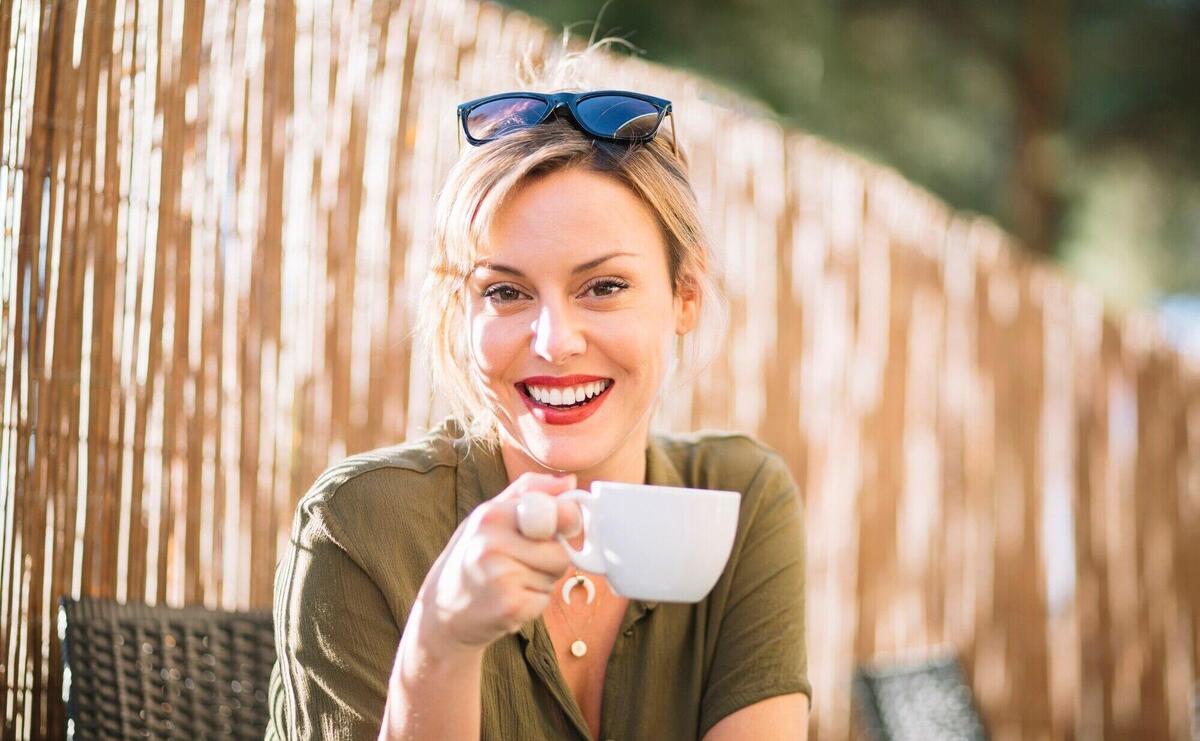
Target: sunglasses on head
611,115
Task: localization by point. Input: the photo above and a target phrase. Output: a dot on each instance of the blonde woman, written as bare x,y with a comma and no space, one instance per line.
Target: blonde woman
415,602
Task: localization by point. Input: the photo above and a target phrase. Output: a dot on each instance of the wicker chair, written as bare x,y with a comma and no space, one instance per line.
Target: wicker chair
925,701
134,671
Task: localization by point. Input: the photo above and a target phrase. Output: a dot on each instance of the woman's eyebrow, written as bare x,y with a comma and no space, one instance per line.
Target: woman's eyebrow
581,268
484,264
593,263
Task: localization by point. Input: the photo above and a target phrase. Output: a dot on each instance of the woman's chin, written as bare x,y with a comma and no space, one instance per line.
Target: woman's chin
561,458
585,446
562,453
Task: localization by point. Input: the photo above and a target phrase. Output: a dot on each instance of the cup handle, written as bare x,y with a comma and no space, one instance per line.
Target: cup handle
587,558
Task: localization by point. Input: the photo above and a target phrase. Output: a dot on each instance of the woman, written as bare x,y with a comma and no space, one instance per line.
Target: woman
569,264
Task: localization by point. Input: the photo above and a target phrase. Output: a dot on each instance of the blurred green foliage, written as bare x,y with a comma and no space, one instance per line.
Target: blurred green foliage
1076,125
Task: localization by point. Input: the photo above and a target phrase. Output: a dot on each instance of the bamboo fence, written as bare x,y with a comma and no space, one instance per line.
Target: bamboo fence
213,217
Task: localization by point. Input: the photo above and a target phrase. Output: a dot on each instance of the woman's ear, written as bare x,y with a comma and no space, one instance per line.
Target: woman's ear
687,305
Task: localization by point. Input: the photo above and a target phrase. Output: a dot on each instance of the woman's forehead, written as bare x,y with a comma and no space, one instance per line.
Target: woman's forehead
570,216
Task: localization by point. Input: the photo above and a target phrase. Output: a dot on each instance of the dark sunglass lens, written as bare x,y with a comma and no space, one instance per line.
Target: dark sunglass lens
501,116
618,116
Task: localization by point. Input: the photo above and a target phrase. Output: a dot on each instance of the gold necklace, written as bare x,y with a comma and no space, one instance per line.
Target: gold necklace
578,646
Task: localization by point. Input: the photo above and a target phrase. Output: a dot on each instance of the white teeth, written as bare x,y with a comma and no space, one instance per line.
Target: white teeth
566,396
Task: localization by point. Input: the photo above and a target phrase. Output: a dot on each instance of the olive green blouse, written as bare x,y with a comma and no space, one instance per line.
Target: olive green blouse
370,528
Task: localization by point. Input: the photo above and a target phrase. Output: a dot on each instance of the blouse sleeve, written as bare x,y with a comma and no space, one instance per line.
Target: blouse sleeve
335,637
760,649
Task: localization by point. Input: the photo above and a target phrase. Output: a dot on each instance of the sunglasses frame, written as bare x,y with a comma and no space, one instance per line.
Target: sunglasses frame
554,101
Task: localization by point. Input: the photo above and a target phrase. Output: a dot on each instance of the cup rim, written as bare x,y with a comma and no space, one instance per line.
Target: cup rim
661,489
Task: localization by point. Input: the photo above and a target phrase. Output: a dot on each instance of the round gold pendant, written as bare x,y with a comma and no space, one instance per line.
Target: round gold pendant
578,649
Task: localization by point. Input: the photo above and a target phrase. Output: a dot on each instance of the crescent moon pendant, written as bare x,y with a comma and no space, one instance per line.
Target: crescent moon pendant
575,581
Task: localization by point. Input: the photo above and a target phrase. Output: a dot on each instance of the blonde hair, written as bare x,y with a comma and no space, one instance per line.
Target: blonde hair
477,187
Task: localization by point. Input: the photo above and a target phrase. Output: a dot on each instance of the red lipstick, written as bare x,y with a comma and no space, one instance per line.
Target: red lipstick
560,380
556,415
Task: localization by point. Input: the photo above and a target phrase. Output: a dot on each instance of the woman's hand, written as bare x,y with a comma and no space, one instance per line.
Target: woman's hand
487,582
491,579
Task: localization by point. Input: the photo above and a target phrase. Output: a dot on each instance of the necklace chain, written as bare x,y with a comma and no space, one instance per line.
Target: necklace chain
578,646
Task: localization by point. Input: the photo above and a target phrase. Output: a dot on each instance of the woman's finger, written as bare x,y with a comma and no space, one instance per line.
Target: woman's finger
500,511
539,581
537,515
545,556
513,570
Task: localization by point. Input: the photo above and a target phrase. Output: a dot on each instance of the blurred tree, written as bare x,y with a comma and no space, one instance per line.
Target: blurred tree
1026,111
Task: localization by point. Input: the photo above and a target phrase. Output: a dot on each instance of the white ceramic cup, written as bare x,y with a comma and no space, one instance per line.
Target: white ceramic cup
655,543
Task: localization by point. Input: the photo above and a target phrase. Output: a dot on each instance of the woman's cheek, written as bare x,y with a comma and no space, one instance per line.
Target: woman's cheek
495,341
640,332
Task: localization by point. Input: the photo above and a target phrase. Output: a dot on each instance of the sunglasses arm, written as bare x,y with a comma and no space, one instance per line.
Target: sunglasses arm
674,147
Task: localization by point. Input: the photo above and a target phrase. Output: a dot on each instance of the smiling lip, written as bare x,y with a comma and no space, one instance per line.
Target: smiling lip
561,380
553,415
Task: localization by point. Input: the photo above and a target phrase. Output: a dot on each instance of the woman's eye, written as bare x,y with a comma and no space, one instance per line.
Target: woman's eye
606,287
502,293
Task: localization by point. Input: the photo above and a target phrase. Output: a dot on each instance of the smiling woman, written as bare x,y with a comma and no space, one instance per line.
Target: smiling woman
572,286
592,202
570,268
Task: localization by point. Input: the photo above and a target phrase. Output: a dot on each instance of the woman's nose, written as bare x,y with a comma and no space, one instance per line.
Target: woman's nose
556,334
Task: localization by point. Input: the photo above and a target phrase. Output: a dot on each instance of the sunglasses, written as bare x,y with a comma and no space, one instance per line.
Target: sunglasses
611,115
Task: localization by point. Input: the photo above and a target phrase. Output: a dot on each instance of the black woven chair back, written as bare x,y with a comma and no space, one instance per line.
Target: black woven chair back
134,671
926,701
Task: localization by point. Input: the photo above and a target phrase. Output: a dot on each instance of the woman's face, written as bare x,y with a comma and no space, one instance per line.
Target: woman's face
573,321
